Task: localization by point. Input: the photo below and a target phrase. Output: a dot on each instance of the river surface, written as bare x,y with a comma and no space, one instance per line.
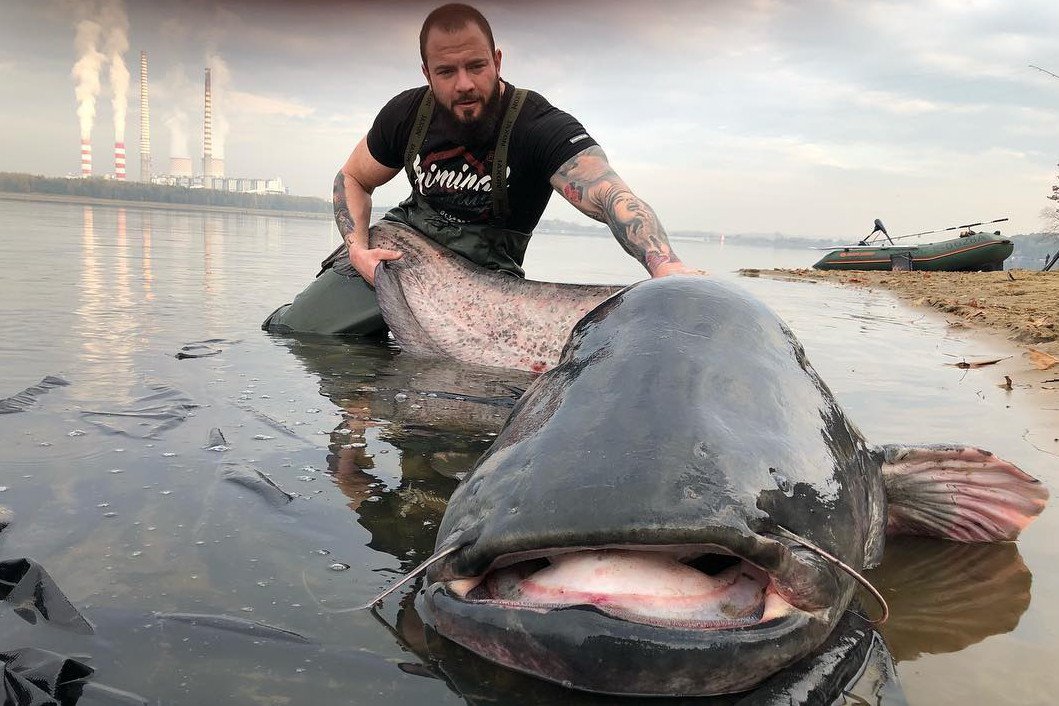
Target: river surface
122,492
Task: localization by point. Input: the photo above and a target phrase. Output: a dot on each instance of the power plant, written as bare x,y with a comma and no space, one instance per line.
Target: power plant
109,33
181,170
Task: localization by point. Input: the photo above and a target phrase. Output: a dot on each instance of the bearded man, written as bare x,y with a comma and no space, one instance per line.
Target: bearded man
482,158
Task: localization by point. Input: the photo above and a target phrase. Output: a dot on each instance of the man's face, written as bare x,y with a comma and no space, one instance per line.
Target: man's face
464,75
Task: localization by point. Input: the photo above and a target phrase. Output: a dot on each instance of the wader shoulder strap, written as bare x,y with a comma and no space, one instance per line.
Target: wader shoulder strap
419,133
498,181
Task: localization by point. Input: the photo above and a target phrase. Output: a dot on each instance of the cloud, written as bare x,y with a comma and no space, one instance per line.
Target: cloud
1033,121
795,188
174,29
820,90
176,121
255,104
173,98
968,40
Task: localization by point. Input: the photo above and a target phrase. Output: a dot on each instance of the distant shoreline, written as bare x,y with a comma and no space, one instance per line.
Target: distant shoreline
1029,248
159,205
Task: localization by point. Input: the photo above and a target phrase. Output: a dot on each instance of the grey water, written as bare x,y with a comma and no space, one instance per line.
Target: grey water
119,487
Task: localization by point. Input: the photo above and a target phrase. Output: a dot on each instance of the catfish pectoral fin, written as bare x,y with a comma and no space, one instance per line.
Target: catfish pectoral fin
958,492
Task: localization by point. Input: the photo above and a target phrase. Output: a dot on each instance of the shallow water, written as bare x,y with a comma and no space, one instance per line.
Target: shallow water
119,491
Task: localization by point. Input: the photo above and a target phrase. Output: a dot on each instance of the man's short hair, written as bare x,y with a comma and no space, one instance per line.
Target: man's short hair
452,18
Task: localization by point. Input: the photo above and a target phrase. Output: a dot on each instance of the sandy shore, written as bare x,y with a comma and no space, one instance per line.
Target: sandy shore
1021,305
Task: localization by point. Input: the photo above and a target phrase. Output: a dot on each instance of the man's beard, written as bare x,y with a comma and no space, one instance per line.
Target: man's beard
472,132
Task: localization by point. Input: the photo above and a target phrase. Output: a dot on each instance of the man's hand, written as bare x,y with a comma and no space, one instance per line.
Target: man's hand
365,260
354,184
676,268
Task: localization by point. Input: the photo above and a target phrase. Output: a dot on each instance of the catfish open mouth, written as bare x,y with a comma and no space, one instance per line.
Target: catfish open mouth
702,587
646,620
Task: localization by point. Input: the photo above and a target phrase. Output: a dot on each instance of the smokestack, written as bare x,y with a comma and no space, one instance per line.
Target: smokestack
86,77
116,24
145,123
207,131
119,161
86,158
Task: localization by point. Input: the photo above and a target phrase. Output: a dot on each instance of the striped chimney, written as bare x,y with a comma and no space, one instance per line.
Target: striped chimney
207,130
86,158
119,161
145,123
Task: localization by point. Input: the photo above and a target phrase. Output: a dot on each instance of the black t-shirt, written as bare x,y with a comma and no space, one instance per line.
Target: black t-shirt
454,179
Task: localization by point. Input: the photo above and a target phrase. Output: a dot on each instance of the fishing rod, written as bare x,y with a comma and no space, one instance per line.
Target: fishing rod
1044,70
939,230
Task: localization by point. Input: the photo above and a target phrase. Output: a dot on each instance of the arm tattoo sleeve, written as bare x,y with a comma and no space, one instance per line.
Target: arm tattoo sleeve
588,182
342,217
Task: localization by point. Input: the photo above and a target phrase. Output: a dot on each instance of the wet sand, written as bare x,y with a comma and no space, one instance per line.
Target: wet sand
1020,305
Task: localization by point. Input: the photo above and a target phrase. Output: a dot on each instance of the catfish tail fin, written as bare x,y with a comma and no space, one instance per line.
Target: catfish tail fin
957,492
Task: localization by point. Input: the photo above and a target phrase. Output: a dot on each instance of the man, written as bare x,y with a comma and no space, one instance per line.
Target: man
482,158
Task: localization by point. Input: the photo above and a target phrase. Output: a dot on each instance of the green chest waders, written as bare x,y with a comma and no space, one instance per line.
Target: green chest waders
340,302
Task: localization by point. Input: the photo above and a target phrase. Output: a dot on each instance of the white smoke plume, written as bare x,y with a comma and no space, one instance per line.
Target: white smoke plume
86,72
116,25
220,80
177,123
173,92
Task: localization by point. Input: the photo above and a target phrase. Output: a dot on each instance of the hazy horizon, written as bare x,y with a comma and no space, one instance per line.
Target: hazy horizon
808,119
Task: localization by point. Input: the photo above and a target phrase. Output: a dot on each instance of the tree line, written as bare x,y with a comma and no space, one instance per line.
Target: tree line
99,188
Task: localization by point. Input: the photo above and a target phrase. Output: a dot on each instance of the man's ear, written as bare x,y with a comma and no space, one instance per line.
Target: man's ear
426,74
496,59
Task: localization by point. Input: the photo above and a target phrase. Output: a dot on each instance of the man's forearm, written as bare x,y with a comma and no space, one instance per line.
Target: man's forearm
588,182
635,226
352,211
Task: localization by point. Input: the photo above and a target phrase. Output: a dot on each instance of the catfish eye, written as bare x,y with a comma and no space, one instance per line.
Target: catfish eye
782,482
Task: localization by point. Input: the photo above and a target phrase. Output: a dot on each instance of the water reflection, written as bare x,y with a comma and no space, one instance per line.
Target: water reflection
212,255
91,296
106,321
271,231
122,302
852,666
122,255
945,596
145,258
436,417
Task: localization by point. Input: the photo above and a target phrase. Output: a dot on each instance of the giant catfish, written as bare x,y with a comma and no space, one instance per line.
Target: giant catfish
654,517
439,304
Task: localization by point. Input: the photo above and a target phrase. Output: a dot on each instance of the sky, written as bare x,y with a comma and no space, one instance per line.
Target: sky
807,118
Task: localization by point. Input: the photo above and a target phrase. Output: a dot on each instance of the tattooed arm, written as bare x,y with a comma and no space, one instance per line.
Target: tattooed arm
354,184
594,188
